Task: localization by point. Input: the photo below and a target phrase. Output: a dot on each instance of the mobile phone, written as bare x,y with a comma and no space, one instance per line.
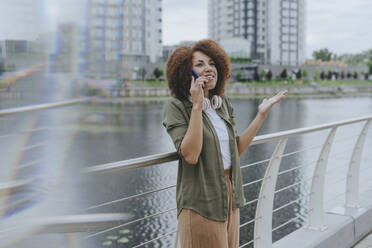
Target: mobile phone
196,75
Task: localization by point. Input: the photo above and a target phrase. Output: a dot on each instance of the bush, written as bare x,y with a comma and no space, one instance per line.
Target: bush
240,60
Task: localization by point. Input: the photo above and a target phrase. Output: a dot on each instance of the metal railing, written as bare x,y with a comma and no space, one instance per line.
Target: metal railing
265,210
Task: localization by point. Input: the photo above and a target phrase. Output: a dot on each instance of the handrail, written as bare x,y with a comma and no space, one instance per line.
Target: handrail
16,110
16,185
130,164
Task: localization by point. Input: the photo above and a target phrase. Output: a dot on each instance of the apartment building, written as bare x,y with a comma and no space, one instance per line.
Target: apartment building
274,28
122,36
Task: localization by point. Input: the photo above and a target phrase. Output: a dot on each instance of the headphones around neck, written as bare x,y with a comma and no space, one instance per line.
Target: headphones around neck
214,103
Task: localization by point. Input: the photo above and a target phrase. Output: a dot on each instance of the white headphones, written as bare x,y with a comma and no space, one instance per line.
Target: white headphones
215,103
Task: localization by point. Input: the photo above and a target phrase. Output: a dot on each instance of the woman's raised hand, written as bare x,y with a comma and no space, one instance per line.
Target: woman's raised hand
196,91
267,104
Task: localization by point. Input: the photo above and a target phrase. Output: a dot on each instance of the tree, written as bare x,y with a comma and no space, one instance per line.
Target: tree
329,75
157,73
322,54
369,64
342,75
142,73
256,77
322,75
336,74
284,74
299,74
269,75
2,68
304,73
238,75
348,75
316,75
263,75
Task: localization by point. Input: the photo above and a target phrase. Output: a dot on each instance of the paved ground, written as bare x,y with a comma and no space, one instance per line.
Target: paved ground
365,243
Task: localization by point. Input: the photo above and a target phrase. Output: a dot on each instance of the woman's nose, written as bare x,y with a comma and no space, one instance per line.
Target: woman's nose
208,68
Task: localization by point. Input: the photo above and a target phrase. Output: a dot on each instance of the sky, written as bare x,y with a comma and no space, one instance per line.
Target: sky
342,26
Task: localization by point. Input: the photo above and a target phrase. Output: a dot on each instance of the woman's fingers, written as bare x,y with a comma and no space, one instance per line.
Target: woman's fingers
279,96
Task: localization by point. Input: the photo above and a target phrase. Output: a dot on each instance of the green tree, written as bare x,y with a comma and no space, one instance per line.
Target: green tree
263,75
269,75
142,73
323,54
369,64
238,75
284,74
304,73
2,68
158,73
316,75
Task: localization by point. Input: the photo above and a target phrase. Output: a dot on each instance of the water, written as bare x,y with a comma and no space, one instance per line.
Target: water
92,134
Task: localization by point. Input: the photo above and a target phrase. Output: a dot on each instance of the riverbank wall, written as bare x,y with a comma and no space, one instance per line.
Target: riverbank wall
241,90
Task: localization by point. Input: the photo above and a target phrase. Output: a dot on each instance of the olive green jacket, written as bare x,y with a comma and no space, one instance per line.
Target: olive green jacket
202,187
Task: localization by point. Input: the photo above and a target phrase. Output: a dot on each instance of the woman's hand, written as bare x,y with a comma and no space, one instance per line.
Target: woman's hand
196,91
267,104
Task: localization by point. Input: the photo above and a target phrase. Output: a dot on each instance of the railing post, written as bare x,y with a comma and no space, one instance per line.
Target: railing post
352,180
264,209
316,213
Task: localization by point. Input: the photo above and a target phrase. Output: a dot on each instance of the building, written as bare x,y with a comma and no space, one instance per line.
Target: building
168,49
11,48
68,46
274,28
122,36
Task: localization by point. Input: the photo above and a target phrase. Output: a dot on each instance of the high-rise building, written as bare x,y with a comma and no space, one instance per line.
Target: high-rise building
275,28
122,36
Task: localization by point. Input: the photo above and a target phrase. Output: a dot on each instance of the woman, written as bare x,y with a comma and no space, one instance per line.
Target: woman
209,184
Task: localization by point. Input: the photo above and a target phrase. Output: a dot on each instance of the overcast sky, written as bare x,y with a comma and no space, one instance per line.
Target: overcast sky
342,26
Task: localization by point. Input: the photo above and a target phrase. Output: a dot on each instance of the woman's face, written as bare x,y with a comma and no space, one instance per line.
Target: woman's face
205,66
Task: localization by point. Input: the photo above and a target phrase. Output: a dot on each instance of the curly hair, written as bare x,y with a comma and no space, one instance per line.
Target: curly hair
179,66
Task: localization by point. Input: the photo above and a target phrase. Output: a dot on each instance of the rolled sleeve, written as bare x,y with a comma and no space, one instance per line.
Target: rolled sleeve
176,124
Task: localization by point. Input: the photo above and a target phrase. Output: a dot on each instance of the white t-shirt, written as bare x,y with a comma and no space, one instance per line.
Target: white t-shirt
223,136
